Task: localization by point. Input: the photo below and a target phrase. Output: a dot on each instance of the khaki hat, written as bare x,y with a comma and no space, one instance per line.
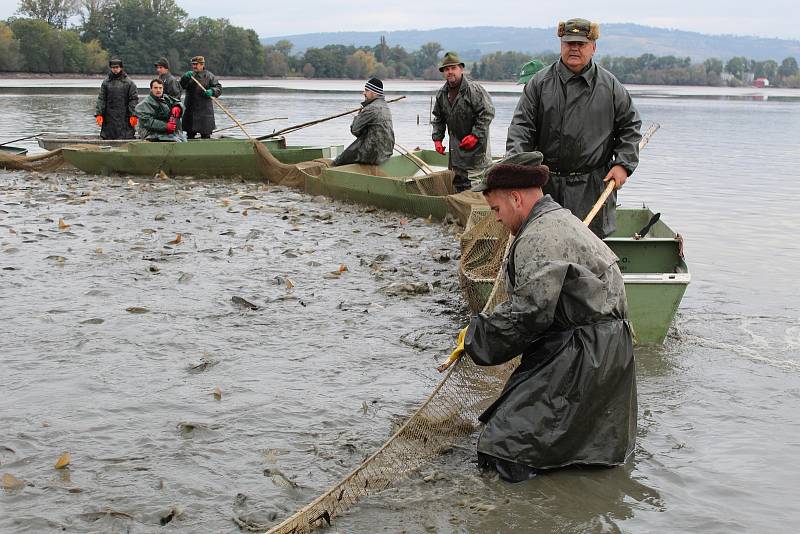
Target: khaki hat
450,59
162,62
198,59
518,171
578,30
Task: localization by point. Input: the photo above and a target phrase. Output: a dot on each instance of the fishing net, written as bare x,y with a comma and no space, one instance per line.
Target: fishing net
290,175
48,161
438,183
450,412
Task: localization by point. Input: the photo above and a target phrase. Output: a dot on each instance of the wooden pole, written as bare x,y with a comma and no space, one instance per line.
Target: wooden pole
317,121
228,113
20,139
251,122
424,167
612,184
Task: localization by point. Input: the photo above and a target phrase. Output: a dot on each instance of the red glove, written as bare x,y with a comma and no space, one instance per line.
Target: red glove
99,120
469,142
439,147
176,112
134,121
171,125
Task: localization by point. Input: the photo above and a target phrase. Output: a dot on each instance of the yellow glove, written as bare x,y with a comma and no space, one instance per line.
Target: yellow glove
457,352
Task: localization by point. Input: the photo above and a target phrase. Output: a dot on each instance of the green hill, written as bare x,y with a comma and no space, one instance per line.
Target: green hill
615,39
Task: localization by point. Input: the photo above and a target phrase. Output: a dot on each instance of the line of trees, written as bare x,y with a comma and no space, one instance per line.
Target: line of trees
41,39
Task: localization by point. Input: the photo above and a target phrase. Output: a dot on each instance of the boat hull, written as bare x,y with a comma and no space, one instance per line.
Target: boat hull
13,150
655,273
212,157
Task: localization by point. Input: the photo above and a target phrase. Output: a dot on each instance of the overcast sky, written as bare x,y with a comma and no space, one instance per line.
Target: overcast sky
766,18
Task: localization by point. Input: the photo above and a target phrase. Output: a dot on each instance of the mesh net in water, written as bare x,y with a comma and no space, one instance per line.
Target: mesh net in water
46,162
450,412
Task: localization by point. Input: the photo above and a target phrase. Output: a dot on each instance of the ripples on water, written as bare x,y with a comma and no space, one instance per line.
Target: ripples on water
312,381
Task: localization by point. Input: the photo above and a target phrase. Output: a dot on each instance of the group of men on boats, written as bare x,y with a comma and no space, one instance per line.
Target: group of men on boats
572,399
161,116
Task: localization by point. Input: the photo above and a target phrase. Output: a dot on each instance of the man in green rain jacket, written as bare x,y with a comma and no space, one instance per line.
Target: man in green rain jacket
160,115
584,122
465,109
572,399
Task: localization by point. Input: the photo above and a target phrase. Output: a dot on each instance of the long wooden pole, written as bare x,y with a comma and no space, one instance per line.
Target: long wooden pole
20,139
317,121
416,160
249,122
612,184
228,113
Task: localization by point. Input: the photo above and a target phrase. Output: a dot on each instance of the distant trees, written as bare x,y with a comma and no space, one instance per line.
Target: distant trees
141,31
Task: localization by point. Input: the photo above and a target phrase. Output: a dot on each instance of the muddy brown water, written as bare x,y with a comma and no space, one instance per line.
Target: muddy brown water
115,340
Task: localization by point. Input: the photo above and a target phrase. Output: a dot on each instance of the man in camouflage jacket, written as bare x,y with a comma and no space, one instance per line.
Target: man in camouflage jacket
373,129
465,109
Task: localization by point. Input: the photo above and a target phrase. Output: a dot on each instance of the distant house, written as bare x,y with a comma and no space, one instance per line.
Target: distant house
761,82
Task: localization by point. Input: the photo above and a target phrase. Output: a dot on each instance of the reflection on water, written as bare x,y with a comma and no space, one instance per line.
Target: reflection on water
311,381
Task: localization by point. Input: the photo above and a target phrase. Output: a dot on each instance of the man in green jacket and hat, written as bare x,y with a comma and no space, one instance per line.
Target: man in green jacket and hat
572,398
465,110
160,115
584,122
199,118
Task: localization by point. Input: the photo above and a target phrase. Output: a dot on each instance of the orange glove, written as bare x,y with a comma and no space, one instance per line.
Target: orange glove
171,125
99,120
439,147
134,121
469,142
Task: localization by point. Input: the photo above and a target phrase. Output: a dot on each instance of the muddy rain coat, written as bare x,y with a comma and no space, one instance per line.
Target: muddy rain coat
117,104
374,133
572,400
153,115
583,124
471,112
199,116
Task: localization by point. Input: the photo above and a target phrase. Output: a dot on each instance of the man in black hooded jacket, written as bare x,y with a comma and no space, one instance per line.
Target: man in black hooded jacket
115,111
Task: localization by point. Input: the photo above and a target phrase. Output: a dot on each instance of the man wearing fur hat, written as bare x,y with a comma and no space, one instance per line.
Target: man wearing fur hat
465,109
572,399
115,111
584,122
373,129
199,115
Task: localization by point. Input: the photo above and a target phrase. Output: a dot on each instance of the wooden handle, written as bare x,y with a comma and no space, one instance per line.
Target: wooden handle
228,113
611,183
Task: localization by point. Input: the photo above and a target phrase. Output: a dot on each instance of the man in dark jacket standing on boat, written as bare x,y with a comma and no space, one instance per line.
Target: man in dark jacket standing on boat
199,116
115,111
584,122
373,129
172,86
465,109
572,399
160,115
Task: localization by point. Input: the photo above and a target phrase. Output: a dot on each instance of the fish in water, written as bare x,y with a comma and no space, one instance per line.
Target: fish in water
239,301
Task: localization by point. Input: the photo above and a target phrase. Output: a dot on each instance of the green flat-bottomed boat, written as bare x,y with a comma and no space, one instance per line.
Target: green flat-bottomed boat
211,157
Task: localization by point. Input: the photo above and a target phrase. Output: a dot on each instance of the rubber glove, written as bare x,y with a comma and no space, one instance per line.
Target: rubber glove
208,92
176,112
133,121
469,142
99,120
189,74
171,125
457,352
439,147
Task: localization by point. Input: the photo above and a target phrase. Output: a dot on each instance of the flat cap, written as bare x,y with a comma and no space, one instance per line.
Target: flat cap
198,59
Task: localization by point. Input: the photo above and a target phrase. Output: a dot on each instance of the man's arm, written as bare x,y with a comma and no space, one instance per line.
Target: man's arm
522,131
484,112
627,130
133,98
512,326
214,85
362,120
439,121
100,106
